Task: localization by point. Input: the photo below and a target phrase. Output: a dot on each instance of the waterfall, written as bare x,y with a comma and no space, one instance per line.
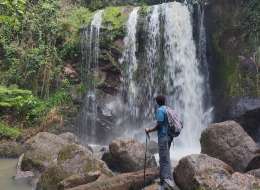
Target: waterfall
90,65
185,82
129,58
160,56
152,48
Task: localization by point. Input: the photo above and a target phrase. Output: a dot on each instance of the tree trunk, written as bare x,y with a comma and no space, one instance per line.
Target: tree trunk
127,181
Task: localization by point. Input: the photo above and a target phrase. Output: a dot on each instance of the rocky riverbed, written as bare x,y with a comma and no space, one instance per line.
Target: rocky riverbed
229,161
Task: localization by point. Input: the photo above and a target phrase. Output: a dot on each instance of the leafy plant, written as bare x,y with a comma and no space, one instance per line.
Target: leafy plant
7,132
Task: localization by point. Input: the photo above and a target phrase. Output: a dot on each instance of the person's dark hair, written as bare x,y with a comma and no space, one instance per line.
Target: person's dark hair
160,100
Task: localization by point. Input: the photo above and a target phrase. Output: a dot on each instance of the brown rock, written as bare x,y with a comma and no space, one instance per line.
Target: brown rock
127,156
203,172
75,165
76,180
228,142
42,151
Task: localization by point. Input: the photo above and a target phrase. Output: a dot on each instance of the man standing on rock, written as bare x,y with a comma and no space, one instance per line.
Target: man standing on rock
164,143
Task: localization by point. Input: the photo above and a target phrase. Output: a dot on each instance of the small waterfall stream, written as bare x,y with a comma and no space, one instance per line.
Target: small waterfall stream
130,59
90,63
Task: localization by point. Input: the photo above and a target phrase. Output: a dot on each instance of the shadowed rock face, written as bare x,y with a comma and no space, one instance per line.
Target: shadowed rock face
246,112
127,156
203,172
233,68
229,142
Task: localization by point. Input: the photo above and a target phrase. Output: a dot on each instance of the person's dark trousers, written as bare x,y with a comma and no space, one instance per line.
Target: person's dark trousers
164,144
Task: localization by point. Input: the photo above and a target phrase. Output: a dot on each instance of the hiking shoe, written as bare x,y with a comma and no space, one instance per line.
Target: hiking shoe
169,184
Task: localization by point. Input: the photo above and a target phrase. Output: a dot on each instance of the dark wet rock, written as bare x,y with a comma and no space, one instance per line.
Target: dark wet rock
127,156
126,181
203,172
229,142
11,149
241,106
250,121
254,163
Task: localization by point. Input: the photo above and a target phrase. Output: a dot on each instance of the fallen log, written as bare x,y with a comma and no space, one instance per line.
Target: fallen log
126,181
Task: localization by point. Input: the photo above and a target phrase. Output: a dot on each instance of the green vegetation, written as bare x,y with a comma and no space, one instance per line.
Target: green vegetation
237,34
251,21
70,22
7,132
114,18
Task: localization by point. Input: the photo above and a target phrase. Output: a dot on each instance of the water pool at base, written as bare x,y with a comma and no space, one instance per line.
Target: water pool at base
7,171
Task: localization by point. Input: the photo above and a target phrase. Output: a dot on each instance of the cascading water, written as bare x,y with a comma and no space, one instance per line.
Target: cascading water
160,57
129,58
185,82
152,49
90,55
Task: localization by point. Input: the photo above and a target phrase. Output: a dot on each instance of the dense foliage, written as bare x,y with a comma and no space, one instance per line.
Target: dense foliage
251,21
37,39
7,132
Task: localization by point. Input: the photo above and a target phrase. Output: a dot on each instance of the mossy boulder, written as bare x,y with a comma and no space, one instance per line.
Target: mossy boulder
42,151
73,160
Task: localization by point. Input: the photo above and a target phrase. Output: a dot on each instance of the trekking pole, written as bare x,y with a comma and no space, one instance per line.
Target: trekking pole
145,156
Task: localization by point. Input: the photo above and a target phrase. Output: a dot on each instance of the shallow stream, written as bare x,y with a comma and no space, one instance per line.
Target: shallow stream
7,171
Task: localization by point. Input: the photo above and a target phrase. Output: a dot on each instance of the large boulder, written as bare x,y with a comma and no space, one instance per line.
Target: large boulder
73,160
250,121
127,156
42,151
203,172
228,142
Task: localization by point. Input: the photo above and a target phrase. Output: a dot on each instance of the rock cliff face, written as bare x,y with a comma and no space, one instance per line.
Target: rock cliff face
233,54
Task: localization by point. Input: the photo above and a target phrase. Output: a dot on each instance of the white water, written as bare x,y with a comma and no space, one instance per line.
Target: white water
90,52
185,83
170,65
152,49
129,58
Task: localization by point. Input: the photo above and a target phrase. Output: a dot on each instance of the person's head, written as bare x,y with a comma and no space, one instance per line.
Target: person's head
160,100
